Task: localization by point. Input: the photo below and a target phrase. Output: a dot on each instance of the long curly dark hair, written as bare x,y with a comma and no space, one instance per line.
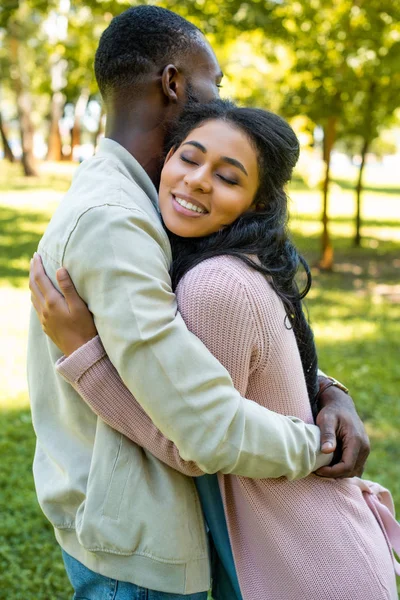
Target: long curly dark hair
260,232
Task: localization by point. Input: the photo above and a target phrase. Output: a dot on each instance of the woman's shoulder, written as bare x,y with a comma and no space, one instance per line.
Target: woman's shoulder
224,273
232,267
229,282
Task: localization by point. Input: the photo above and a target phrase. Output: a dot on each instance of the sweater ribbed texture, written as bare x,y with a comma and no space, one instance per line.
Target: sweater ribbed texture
311,539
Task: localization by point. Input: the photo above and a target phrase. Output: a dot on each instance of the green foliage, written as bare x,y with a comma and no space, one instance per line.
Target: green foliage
30,561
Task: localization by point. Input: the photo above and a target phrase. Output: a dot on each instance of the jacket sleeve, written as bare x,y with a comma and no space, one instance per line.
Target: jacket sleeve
94,377
118,261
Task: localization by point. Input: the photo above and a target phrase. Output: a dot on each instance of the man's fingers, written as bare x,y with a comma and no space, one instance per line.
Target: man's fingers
346,467
362,458
327,425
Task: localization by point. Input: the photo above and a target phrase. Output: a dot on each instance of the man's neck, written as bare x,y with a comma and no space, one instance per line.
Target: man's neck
140,132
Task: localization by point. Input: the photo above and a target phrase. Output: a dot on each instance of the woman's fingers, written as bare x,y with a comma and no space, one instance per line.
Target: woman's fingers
44,296
35,290
67,288
36,305
42,282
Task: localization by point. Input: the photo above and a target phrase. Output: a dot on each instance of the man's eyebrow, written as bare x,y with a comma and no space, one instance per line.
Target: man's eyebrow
234,163
196,145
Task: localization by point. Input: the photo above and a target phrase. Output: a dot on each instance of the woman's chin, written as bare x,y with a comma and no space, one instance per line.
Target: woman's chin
181,230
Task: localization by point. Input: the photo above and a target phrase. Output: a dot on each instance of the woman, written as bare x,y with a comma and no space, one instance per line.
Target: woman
222,199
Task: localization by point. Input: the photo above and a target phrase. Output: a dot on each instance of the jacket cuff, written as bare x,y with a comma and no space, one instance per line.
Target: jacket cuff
323,460
75,365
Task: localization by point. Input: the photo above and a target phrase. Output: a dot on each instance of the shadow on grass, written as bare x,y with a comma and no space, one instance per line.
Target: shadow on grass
19,237
316,218
18,183
297,183
348,185
352,266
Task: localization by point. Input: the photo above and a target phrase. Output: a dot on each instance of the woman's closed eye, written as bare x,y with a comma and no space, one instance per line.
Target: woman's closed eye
188,160
228,180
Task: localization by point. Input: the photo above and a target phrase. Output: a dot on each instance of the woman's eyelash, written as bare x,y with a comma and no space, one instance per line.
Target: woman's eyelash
186,160
224,179
230,181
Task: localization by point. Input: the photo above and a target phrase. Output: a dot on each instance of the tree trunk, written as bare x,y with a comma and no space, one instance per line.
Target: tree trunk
99,130
357,237
54,144
80,108
24,106
326,262
8,154
368,116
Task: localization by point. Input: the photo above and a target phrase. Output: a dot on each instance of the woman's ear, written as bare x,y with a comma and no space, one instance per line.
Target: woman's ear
170,153
173,84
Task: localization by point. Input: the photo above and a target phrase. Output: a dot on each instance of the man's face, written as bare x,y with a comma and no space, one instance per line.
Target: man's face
203,77
204,74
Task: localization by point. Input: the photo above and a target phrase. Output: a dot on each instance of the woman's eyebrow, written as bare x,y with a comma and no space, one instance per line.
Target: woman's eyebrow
234,163
227,159
196,145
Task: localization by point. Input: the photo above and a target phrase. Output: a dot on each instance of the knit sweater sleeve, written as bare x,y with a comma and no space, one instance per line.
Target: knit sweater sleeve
215,307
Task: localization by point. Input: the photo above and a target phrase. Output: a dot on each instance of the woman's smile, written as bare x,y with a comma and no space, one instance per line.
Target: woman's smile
186,205
209,180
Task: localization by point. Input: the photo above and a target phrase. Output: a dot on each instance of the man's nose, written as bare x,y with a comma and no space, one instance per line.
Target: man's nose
199,179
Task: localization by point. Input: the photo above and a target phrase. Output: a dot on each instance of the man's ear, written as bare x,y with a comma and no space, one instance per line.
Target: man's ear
173,83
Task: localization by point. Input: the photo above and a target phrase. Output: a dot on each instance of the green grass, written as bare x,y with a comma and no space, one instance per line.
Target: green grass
355,312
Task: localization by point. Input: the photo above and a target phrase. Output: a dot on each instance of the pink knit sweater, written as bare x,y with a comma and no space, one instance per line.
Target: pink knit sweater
311,539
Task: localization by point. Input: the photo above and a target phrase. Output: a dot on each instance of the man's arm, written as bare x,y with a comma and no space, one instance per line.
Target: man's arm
94,377
120,269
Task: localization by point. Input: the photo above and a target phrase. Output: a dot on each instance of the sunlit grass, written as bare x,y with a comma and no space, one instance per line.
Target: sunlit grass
355,312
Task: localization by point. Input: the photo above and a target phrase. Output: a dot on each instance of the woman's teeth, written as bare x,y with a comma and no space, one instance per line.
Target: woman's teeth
189,205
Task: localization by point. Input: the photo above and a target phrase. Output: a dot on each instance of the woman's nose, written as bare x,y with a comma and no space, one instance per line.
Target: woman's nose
198,179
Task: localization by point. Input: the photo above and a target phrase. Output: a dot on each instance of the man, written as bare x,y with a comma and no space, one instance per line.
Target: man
129,525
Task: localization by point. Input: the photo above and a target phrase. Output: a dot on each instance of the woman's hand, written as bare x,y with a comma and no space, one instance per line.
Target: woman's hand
64,317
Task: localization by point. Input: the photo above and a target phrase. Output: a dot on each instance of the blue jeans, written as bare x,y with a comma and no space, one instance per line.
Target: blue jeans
89,585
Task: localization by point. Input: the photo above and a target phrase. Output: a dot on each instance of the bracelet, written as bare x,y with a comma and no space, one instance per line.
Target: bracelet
330,382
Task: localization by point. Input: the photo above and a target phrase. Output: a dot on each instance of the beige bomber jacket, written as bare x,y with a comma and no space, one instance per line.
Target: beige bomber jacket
114,506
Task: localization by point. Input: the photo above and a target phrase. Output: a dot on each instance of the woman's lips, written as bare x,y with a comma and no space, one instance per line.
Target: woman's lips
188,212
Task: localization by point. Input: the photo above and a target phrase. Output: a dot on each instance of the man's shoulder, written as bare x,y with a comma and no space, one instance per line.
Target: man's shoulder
98,182
100,179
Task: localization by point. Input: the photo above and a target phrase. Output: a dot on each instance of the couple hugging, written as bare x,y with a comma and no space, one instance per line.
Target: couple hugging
165,455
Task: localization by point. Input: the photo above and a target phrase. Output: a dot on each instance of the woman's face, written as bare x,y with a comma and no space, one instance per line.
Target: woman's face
208,181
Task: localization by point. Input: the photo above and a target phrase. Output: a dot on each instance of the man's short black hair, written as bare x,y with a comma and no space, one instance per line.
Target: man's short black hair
137,41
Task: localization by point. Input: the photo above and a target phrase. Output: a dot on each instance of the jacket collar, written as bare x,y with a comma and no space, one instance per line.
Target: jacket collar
134,170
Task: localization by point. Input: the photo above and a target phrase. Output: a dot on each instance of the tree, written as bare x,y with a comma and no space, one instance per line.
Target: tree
24,104
8,154
19,32
378,94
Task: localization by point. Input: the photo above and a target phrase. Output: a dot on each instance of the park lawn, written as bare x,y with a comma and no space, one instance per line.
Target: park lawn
355,312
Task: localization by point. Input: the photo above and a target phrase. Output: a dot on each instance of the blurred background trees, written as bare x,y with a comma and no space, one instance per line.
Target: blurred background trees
332,62
331,67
